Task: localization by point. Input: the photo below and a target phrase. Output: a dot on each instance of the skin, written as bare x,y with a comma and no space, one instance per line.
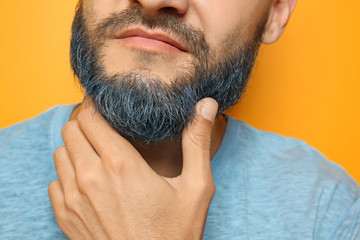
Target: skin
110,188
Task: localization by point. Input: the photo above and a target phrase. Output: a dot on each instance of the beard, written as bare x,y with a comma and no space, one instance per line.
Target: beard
147,108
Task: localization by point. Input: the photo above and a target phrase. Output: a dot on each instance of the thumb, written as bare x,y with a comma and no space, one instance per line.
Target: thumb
196,141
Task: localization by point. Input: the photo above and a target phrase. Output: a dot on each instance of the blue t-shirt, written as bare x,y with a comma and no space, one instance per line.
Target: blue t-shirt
267,186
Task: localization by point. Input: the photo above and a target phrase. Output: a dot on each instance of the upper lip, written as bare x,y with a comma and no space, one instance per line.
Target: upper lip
138,32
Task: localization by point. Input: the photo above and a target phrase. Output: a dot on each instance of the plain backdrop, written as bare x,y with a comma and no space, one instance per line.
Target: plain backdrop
305,86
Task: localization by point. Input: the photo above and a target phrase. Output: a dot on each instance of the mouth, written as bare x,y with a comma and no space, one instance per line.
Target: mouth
150,41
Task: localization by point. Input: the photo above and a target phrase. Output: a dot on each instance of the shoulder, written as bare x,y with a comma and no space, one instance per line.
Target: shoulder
281,151
26,169
32,139
302,179
35,129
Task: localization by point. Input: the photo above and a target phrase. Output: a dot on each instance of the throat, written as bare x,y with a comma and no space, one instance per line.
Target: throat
165,158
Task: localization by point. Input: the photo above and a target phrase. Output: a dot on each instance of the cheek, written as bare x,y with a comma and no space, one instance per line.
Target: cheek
96,10
230,22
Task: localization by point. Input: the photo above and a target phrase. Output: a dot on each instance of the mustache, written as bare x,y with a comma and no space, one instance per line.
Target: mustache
190,36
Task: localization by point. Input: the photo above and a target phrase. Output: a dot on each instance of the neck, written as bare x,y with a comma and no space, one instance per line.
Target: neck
165,157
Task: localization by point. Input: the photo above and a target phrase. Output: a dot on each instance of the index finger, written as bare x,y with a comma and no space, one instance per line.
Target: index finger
107,142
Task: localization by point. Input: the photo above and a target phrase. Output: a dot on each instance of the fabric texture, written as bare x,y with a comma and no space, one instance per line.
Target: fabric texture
267,186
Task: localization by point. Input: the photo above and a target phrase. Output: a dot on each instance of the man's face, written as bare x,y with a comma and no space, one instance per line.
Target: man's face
146,63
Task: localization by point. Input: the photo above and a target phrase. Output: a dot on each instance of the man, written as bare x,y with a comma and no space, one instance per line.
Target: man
141,156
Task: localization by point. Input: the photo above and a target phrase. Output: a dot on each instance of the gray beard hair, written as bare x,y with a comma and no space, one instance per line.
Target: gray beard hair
145,108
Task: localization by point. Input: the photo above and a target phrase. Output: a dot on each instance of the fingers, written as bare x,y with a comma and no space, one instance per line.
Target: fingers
75,164
66,199
196,141
112,148
56,197
70,224
64,169
80,151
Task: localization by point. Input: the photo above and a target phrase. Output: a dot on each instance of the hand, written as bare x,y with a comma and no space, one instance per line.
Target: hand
106,190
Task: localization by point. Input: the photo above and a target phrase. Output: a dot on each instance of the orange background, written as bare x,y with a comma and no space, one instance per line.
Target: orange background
305,86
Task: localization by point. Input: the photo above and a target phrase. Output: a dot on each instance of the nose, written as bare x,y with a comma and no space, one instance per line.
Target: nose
156,7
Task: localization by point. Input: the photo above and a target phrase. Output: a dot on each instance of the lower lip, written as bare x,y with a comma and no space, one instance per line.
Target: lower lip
150,45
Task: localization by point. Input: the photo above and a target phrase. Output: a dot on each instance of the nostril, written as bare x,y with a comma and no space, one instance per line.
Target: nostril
170,10
134,2
173,7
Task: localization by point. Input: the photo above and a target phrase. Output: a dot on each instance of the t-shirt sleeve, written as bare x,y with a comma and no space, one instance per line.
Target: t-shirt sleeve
348,227
338,216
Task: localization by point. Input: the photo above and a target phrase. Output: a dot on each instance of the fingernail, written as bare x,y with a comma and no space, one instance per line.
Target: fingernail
209,109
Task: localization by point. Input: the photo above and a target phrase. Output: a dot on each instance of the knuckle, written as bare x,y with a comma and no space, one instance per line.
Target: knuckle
83,116
211,189
201,139
68,128
61,215
59,153
86,181
204,187
62,219
113,162
52,187
72,202
200,186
